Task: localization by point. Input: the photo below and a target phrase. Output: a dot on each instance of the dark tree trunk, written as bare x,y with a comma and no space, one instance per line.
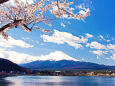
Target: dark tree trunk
9,25
2,1
4,27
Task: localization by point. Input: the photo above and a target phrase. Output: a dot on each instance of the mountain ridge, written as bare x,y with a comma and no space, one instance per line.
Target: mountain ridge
65,65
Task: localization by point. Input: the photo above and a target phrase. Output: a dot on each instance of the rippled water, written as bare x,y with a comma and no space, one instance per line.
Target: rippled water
57,81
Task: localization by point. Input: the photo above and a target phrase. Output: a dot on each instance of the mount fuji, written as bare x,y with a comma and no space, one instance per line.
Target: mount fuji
60,61
56,56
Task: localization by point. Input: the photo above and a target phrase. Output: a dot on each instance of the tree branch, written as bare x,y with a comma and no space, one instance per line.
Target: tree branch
2,30
26,28
4,27
3,1
15,23
8,26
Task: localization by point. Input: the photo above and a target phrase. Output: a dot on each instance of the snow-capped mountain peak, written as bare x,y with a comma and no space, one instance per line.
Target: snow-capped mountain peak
56,56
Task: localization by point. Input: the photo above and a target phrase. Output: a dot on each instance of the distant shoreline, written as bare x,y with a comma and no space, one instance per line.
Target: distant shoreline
4,76
108,73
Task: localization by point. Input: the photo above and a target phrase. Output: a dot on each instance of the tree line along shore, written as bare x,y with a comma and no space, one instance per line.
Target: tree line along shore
60,73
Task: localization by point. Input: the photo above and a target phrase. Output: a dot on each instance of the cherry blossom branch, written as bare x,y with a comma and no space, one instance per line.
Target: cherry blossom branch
42,11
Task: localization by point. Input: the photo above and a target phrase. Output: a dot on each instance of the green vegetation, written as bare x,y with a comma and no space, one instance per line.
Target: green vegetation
62,73
76,73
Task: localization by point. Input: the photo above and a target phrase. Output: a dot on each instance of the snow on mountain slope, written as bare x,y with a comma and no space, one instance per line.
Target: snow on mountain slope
56,56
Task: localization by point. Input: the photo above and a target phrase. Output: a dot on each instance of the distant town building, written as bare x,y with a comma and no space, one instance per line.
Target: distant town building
57,73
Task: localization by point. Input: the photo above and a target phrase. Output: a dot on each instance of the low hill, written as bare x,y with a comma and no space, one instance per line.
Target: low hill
6,65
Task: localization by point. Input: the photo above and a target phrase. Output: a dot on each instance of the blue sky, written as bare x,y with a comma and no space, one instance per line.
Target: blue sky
91,40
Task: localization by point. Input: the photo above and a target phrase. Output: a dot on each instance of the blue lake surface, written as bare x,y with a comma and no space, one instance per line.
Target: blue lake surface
57,81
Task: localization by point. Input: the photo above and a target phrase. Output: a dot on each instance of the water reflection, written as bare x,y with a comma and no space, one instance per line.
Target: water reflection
57,81
4,82
36,80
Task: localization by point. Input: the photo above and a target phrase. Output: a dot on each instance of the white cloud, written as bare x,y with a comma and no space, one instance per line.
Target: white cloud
102,49
99,52
64,37
96,45
89,35
30,40
113,57
101,37
25,58
111,46
11,42
16,57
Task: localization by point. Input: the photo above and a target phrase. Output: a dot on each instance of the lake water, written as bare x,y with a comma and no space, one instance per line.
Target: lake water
57,81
